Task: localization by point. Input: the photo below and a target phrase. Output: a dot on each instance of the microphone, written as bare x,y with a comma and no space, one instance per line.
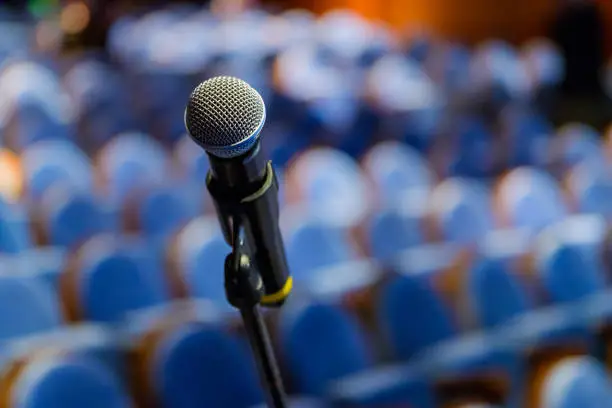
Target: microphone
225,116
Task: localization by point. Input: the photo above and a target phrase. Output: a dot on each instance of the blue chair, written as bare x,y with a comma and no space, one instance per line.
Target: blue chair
528,137
449,65
343,36
132,161
410,310
576,382
463,210
36,108
471,155
112,280
52,162
498,74
577,143
414,316
394,229
67,382
331,186
73,217
28,307
163,210
398,172
395,82
198,365
314,245
530,198
497,295
591,190
15,237
91,341
100,94
544,336
545,62
567,271
321,343
419,45
201,258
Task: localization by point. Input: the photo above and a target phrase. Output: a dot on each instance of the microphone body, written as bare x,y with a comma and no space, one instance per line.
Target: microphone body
245,189
241,181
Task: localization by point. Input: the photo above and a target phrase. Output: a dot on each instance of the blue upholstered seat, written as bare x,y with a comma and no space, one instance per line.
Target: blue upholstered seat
28,306
68,382
576,382
198,365
321,343
114,280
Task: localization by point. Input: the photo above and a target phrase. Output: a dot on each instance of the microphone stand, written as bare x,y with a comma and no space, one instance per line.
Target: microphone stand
244,289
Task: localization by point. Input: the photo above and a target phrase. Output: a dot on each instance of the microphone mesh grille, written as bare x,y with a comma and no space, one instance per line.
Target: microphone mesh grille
223,111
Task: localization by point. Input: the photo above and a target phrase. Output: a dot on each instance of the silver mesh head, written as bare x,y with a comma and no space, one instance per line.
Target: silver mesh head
225,115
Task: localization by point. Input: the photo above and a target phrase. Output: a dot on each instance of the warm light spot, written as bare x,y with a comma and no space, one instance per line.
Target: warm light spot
48,35
11,182
74,18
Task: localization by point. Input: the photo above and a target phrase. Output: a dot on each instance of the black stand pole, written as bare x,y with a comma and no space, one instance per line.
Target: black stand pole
244,290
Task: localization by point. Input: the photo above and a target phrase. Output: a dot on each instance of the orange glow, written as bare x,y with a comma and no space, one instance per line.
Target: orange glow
74,18
11,182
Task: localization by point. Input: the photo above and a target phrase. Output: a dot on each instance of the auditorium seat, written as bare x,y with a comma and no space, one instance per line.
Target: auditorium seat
398,172
131,161
577,143
413,308
312,245
470,152
495,290
36,107
28,306
544,63
498,75
200,258
526,137
590,190
393,229
576,382
414,103
448,65
52,162
109,278
92,341
321,343
330,186
199,364
567,270
15,235
543,337
529,198
56,381
100,95
163,210
71,217
462,210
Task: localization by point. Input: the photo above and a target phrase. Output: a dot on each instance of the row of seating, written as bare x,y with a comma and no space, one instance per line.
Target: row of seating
343,321
141,192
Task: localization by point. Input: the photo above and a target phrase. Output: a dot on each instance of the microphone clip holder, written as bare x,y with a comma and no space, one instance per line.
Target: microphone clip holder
244,290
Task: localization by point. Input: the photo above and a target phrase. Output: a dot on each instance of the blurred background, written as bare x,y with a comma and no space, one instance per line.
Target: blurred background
446,194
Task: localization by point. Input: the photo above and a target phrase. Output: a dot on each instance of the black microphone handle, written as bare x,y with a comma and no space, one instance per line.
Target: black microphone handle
246,188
